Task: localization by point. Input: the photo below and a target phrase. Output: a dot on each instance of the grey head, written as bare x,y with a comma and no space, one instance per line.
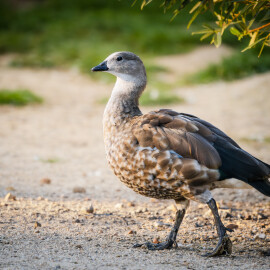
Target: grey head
126,66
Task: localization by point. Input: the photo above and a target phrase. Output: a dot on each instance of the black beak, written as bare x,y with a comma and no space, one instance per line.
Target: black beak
101,67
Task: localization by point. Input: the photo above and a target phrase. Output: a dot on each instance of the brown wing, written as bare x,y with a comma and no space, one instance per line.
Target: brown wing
168,130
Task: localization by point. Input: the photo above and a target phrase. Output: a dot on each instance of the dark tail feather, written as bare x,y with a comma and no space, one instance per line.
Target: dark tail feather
262,185
237,163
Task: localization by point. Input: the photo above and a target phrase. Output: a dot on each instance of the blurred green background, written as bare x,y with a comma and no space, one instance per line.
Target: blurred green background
79,34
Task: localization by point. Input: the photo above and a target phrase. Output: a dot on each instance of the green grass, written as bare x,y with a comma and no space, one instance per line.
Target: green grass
19,97
58,33
237,66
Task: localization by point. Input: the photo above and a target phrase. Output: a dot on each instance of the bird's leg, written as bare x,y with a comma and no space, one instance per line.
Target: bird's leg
224,246
171,239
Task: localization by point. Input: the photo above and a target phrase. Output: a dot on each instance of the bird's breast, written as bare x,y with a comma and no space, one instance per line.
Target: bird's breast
146,170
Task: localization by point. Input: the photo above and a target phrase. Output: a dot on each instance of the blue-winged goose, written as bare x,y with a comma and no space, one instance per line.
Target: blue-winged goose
169,155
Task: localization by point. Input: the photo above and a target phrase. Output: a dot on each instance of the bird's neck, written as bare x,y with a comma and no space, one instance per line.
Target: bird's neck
124,100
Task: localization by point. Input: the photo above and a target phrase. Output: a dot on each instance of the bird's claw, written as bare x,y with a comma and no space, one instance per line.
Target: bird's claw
224,247
160,246
228,229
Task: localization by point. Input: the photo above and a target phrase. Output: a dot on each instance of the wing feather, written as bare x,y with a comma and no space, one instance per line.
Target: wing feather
168,130
194,138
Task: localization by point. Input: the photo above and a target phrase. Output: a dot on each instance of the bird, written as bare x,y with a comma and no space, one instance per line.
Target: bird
165,154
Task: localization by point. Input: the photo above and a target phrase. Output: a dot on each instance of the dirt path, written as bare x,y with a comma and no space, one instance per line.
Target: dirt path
62,140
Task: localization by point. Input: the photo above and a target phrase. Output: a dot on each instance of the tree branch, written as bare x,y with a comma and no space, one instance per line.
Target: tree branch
259,28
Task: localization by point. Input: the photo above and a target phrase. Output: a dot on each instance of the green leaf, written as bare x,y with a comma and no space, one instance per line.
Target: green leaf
235,32
195,7
251,22
175,13
261,49
217,39
253,38
198,11
208,26
202,32
250,46
145,2
206,36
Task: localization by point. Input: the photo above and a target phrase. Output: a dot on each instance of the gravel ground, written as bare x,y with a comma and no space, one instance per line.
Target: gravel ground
66,210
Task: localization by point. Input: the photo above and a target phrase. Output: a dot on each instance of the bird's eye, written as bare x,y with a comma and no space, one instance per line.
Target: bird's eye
119,58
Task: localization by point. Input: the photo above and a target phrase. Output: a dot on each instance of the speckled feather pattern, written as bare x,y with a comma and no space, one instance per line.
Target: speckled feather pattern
149,153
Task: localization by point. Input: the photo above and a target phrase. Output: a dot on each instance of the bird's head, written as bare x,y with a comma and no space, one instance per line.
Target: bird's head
124,65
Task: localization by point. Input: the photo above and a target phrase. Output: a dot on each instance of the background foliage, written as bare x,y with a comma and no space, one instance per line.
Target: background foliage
79,34
244,18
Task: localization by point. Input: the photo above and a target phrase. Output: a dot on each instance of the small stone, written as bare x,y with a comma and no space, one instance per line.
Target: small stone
10,197
37,224
89,210
79,190
130,204
119,205
232,226
10,189
78,246
45,181
156,241
158,224
261,235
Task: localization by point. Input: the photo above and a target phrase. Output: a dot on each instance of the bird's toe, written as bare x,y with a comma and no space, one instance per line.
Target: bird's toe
224,247
168,244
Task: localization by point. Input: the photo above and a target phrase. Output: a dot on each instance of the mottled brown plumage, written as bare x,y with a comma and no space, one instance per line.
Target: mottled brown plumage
162,156
169,155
